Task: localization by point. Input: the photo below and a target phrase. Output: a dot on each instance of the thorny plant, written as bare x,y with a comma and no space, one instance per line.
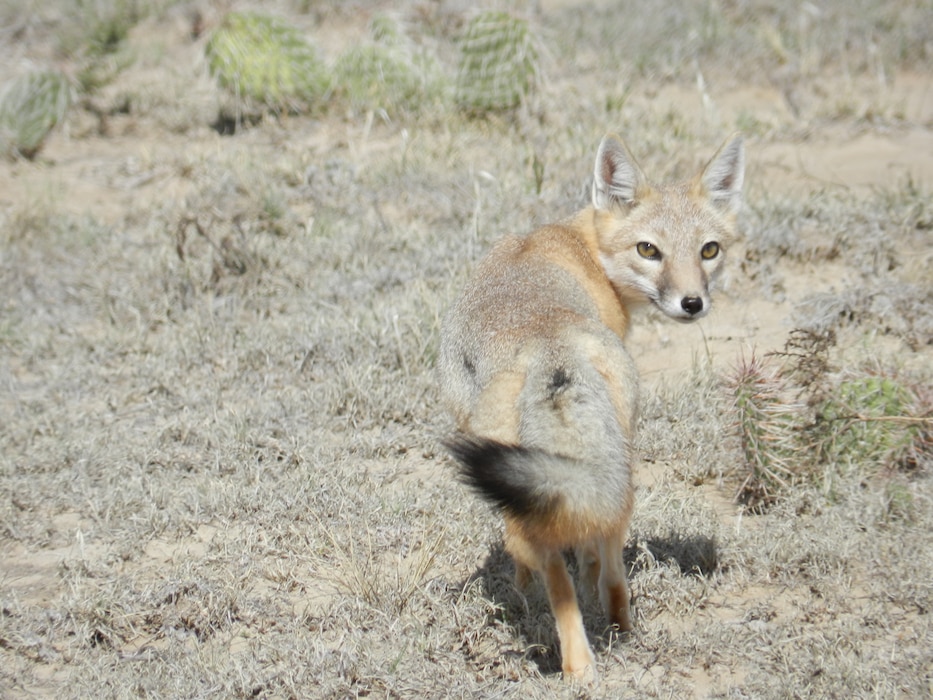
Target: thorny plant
799,419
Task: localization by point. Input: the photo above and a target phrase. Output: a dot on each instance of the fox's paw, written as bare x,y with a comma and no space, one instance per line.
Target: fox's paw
581,670
621,618
586,676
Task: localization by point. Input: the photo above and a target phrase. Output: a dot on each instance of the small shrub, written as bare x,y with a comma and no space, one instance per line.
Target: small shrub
30,107
498,63
96,29
266,63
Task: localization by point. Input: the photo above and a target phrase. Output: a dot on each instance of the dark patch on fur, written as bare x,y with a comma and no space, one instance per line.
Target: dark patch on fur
469,366
559,381
500,474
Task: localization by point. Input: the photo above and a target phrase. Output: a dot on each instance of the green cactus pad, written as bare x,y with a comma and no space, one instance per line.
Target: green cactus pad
377,76
498,63
863,419
265,61
388,72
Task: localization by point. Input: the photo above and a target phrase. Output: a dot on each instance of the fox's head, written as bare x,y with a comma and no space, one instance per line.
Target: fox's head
666,244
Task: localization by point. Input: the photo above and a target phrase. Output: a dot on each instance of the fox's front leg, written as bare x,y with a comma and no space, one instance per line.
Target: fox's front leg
522,576
589,566
613,585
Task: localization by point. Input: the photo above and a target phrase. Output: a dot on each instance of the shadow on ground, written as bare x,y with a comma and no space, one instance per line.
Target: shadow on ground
528,614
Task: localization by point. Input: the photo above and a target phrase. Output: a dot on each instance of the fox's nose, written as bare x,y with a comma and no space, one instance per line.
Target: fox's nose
692,305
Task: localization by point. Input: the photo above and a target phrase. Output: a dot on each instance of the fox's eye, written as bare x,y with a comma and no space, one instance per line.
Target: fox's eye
648,251
710,250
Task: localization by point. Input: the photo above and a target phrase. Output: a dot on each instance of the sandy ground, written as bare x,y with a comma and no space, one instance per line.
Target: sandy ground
110,176
115,174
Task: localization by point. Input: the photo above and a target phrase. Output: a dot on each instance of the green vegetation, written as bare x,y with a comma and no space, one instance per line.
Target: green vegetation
869,419
387,72
498,63
92,41
862,422
264,61
96,40
30,107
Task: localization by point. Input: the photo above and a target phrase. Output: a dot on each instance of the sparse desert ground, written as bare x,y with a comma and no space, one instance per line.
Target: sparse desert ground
219,458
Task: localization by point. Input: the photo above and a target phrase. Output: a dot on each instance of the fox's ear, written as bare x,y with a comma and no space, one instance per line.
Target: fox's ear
617,176
722,178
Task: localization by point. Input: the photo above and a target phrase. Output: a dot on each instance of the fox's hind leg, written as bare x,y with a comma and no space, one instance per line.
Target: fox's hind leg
602,571
577,659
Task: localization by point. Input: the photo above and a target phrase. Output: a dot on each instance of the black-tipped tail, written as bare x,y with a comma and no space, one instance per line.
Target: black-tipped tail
502,474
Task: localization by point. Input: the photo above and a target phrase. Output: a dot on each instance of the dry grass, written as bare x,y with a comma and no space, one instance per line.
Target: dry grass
219,465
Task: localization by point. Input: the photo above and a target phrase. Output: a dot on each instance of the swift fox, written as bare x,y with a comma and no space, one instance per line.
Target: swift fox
543,391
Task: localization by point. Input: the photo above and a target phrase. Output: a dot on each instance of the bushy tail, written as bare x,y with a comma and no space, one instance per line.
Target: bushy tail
531,483
508,476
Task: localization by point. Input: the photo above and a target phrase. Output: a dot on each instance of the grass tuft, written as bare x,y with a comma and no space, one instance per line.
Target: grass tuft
95,38
384,580
30,107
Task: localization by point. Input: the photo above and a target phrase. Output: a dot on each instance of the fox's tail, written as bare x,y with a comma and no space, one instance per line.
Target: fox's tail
531,484
507,476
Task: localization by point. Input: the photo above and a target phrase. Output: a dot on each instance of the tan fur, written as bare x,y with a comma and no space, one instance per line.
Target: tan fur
543,391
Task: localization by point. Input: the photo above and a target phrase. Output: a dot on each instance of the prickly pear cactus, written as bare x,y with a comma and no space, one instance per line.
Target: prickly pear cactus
864,420
498,63
264,61
386,73
375,76
30,107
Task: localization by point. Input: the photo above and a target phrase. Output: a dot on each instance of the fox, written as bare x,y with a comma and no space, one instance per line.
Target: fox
544,395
